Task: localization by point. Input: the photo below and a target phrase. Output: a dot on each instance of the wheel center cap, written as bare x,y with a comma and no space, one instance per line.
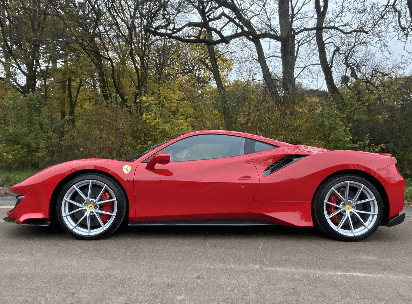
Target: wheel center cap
348,207
90,206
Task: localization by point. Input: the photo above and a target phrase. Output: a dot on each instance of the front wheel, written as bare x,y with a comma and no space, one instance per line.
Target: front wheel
91,206
347,208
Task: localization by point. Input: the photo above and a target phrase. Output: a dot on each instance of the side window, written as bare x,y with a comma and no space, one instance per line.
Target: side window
208,146
253,146
261,146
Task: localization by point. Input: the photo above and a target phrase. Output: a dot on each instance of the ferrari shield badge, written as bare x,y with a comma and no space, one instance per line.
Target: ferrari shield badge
126,169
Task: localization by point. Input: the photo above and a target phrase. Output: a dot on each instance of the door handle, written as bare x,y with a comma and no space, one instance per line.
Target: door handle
245,177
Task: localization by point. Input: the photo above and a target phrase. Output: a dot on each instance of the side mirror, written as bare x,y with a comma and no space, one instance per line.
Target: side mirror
162,158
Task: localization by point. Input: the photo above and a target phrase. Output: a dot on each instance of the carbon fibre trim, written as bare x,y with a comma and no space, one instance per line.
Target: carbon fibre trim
396,220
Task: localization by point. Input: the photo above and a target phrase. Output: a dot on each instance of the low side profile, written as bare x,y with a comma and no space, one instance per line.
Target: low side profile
217,178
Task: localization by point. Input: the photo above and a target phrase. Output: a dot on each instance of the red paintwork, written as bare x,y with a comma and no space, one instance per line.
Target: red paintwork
203,187
38,189
159,158
232,187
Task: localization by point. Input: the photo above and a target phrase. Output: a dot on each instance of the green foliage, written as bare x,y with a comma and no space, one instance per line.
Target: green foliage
164,116
9,178
378,116
408,191
304,120
206,110
104,131
325,124
25,133
369,119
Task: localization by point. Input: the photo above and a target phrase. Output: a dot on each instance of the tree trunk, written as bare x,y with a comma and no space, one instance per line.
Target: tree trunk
220,88
258,46
227,117
104,88
287,48
265,71
326,67
72,102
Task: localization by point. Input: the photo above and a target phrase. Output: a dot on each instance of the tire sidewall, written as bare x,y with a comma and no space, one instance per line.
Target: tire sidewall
121,205
318,208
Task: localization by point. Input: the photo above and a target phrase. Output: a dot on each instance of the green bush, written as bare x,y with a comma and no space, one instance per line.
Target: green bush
25,133
408,191
103,132
9,178
379,118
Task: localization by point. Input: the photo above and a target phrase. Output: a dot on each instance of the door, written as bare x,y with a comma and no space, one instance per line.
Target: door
208,177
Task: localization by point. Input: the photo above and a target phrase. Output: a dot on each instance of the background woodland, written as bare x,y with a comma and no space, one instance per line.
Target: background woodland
98,78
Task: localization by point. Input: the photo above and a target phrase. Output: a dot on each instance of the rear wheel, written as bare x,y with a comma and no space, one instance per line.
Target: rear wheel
347,208
91,206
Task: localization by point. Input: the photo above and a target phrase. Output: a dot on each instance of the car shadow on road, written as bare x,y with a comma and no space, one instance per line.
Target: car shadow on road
193,233
28,232
228,232
247,232
16,231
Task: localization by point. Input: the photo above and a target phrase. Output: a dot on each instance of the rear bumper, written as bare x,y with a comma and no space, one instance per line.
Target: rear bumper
396,220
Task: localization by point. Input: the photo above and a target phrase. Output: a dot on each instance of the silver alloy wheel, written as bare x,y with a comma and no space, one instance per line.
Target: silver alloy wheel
82,207
350,208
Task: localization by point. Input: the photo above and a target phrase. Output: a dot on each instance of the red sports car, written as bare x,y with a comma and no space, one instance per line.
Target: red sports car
218,177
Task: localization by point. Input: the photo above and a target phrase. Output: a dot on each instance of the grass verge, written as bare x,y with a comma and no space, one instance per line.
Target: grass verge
408,192
9,178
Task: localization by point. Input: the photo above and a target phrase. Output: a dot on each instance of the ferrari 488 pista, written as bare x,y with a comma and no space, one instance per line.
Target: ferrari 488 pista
217,177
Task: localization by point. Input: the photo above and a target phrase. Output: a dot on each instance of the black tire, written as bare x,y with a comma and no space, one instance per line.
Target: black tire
91,207
347,208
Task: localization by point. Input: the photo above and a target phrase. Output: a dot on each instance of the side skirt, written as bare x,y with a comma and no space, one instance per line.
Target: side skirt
214,222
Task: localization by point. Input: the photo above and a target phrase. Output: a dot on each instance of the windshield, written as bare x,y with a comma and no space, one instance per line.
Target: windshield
145,149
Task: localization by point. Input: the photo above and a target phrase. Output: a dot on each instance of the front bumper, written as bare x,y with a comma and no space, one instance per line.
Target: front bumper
29,222
8,219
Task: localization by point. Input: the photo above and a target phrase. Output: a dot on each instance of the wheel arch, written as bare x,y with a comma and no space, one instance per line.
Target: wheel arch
375,182
53,200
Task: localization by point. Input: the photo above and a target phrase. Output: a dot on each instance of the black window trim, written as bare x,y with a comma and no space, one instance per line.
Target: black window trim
250,145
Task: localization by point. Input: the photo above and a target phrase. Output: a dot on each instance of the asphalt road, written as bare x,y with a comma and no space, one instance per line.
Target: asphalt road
204,265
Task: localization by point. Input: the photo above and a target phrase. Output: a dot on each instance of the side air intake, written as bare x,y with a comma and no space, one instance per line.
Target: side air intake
281,163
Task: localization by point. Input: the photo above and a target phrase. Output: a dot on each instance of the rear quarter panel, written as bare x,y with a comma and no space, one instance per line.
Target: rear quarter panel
287,194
